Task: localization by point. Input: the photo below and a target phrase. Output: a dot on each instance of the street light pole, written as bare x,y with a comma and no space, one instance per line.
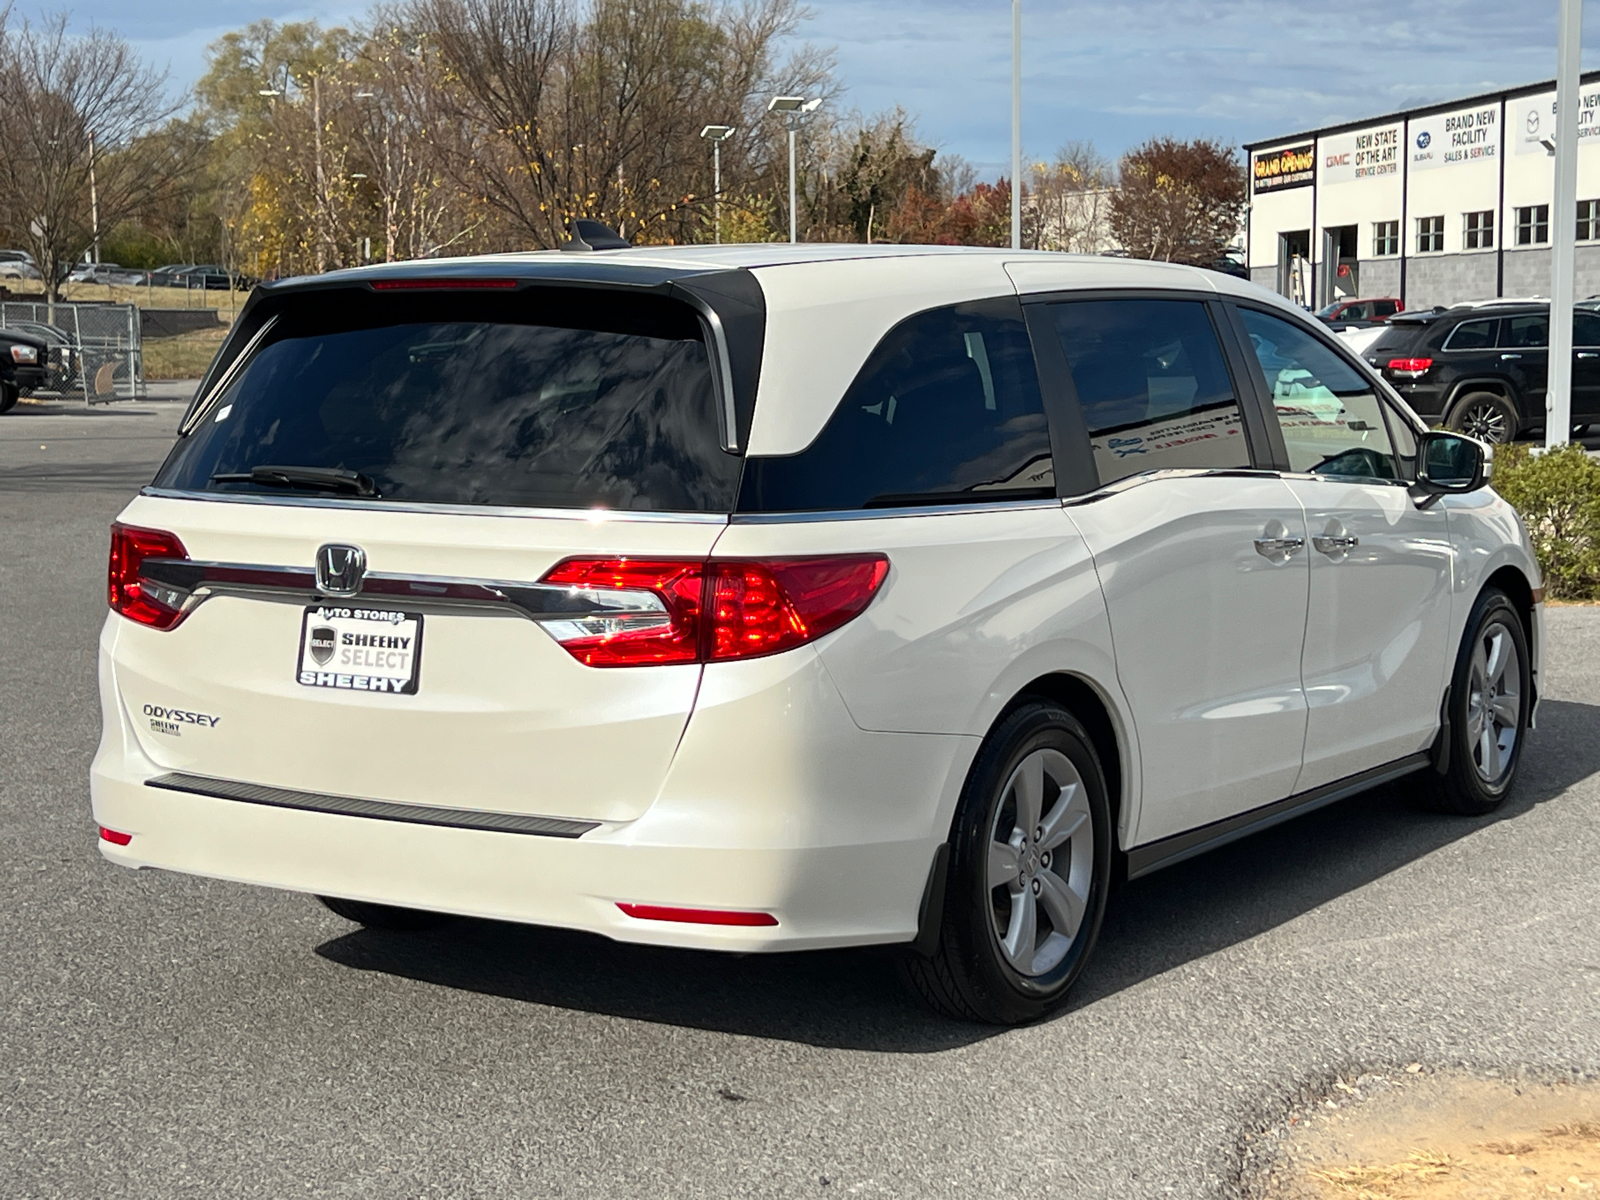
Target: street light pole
717,134
1564,219
794,109
1016,124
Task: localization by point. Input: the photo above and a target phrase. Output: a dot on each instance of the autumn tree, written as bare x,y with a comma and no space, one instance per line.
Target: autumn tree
1179,201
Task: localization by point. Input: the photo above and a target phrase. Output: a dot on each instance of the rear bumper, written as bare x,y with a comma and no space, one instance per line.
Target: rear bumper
775,802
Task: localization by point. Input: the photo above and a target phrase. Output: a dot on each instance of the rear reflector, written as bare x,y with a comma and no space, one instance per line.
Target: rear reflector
136,600
696,916
1412,368
434,282
684,611
115,838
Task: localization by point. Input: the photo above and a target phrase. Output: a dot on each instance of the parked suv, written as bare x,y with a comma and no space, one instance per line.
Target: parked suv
1358,314
758,598
1481,368
24,366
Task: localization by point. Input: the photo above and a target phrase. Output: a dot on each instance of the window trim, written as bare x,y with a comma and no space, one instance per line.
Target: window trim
1389,236
1450,337
1434,232
1531,225
1055,375
1483,229
1381,387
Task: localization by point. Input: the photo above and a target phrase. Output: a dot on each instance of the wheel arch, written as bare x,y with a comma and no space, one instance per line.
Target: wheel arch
1100,718
1510,580
1494,384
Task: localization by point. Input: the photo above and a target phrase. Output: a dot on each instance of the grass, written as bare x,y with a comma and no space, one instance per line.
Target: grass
183,357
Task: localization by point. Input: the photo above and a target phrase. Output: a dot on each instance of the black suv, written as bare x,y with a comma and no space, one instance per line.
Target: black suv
1480,368
24,365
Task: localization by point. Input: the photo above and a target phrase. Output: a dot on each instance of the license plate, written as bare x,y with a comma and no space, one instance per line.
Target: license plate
360,649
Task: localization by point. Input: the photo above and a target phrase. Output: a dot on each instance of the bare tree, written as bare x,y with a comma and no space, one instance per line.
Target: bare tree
1179,201
1070,201
79,118
594,109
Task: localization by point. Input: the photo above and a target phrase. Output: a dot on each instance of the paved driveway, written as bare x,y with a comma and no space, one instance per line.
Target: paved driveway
166,1036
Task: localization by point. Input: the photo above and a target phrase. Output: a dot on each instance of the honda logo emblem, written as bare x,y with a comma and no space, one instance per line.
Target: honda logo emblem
340,570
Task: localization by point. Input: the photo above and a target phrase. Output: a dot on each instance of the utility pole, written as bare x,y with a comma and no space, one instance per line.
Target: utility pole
322,182
94,202
1564,222
1016,124
717,134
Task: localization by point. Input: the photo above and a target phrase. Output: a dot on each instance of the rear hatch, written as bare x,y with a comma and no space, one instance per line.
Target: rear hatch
334,585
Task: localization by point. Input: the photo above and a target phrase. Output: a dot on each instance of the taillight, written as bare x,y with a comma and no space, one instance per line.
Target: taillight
1411,368
115,837
678,611
130,546
657,611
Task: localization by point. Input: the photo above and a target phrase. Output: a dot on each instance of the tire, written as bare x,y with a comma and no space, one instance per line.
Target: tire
970,974
1485,416
1488,709
9,395
384,916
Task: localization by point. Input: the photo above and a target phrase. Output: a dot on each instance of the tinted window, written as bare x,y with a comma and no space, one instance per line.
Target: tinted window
571,401
1332,422
1529,331
1585,329
1471,335
946,409
1384,308
1153,386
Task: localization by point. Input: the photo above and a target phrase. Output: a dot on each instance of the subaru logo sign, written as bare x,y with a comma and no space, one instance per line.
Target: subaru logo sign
340,570
1423,139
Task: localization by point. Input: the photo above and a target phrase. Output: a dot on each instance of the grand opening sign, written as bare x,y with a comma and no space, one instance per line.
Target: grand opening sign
1276,170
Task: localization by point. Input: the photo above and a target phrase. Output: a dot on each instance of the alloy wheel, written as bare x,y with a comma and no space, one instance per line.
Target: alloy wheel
1486,422
1494,702
1041,862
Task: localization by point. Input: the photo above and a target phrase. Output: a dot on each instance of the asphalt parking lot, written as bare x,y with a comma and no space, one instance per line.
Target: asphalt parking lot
168,1036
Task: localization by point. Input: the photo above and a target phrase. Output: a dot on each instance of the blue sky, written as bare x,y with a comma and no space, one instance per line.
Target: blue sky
1110,71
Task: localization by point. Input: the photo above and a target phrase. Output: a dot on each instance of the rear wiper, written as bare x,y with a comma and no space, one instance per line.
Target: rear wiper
323,479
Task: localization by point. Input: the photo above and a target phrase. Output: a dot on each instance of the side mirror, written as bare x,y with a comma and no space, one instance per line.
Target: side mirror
1449,464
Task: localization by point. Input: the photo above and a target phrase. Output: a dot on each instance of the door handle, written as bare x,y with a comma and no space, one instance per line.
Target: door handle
1509,357
1272,547
1335,545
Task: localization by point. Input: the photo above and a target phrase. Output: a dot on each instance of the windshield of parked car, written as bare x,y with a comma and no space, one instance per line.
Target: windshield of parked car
566,400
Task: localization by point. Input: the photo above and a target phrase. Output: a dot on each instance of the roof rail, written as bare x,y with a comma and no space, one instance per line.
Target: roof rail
1501,300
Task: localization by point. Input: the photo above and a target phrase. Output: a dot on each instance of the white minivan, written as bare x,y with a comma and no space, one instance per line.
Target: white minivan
763,598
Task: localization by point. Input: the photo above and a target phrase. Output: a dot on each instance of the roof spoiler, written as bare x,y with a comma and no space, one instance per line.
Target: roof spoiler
595,235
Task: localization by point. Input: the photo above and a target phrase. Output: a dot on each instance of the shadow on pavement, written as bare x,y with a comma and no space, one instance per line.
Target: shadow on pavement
115,475
851,999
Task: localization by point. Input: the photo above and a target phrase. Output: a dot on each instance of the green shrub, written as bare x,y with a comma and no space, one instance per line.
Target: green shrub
1558,495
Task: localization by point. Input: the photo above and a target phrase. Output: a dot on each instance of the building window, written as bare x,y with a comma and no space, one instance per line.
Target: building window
1385,238
1478,233
1430,235
1533,225
1588,220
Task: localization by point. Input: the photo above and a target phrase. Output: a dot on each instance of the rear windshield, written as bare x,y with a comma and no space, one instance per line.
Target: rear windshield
551,398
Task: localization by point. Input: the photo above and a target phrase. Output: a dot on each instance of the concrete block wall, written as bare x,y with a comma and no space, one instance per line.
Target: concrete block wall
1449,279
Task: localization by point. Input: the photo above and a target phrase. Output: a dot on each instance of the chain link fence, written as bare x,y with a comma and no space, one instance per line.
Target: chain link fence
95,349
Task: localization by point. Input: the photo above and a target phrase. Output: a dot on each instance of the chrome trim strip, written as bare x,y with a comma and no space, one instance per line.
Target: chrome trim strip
592,515
380,810
204,403
873,514
1143,477
722,377
185,584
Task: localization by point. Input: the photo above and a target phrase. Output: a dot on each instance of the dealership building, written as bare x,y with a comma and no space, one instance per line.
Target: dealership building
1433,205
